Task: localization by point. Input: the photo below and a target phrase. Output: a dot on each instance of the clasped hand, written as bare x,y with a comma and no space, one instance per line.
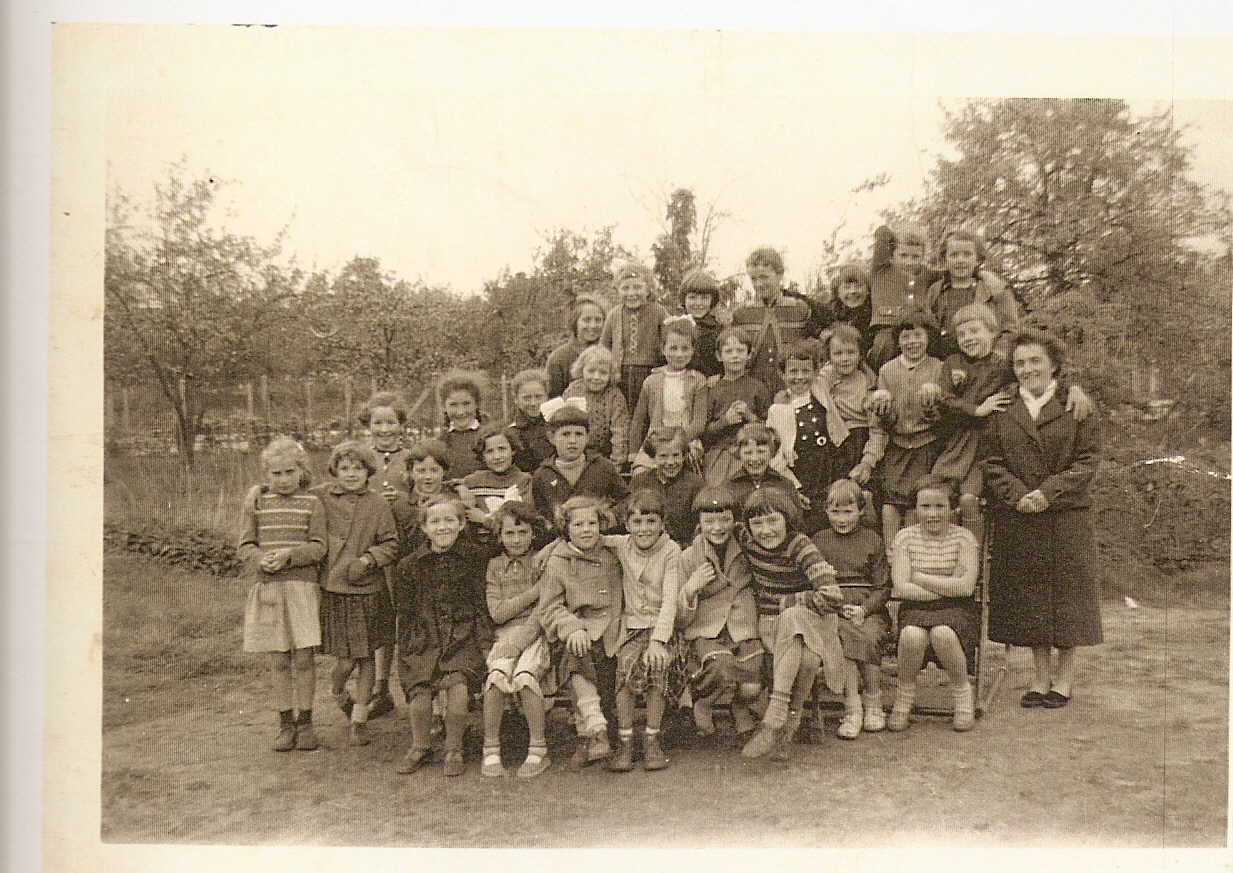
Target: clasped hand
273,561
1032,502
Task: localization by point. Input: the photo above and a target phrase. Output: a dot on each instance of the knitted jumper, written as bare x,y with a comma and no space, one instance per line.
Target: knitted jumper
793,566
607,418
274,521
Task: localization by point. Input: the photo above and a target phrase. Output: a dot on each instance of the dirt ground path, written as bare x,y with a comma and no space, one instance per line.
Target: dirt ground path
1140,758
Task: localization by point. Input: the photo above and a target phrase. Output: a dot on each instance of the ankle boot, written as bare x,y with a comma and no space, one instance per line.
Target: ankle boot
305,736
285,741
653,757
623,760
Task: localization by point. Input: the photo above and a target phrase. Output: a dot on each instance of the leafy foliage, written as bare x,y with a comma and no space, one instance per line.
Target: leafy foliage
522,317
190,549
185,302
1092,216
673,257
365,321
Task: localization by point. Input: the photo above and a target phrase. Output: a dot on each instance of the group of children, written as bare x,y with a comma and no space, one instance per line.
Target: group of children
492,558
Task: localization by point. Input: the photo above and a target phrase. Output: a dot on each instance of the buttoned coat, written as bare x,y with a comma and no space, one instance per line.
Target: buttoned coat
581,591
728,599
1043,588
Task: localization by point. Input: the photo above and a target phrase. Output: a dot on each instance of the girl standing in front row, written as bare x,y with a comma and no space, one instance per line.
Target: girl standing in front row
443,631
356,615
281,543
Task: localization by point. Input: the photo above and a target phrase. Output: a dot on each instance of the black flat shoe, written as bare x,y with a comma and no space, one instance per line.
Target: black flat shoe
1032,699
1055,700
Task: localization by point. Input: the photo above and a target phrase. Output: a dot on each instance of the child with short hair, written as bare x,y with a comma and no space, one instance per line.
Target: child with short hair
699,297
649,662
632,330
673,396
528,432
485,491
443,631
908,401
734,400
425,476
573,470
671,481
586,325
356,615
933,573
595,383
847,380
859,558
718,616
964,283
519,656
980,380
385,416
898,275
805,420
756,449
851,303
580,605
798,603
282,542
460,398
775,318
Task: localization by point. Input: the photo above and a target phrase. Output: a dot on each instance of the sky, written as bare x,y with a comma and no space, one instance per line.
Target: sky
451,154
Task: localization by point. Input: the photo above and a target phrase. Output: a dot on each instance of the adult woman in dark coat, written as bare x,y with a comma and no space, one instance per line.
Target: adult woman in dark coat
1038,463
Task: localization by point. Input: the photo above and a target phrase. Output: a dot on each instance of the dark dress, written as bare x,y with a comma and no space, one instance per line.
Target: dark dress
1043,588
443,623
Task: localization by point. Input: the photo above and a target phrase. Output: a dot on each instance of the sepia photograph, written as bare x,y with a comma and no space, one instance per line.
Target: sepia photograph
639,439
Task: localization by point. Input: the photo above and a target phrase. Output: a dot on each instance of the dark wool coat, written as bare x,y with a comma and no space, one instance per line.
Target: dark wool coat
442,606
1043,589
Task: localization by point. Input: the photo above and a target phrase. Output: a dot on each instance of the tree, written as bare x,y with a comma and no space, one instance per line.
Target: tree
1092,216
685,243
184,301
368,322
672,250
524,316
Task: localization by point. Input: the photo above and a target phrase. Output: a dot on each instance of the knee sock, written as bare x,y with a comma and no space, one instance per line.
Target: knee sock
305,716
593,719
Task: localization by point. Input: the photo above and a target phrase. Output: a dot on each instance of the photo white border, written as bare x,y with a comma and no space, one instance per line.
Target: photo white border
1178,65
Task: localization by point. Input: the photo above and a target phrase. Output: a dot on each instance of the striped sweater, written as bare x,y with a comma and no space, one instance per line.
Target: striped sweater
274,521
493,489
794,566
